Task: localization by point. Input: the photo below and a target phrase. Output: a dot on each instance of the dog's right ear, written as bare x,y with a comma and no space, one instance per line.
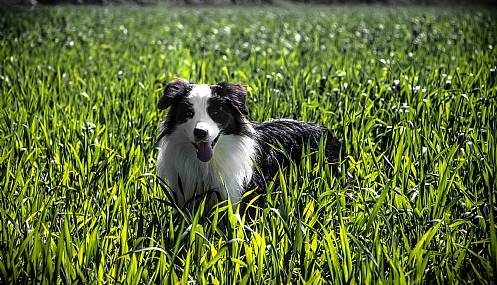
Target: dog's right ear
172,90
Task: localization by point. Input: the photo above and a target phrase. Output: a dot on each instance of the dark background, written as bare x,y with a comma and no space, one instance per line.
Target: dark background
251,2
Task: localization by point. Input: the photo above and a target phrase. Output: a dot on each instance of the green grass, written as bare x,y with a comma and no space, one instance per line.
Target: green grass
411,93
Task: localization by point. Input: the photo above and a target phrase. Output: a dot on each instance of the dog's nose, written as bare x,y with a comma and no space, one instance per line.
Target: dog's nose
200,133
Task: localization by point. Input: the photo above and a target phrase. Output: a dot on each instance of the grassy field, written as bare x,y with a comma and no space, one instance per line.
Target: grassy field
410,91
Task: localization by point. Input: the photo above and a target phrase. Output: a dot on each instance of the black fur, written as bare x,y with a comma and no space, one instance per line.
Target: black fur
174,92
234,93
293,136
174,95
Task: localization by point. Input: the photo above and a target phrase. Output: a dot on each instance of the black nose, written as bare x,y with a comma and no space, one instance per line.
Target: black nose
200,134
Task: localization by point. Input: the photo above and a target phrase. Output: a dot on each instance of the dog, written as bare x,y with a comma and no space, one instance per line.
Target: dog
207,145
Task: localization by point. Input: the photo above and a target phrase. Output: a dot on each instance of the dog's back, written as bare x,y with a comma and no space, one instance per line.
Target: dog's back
283,140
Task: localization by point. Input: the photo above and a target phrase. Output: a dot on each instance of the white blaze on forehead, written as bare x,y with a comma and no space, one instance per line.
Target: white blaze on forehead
199,98
200,91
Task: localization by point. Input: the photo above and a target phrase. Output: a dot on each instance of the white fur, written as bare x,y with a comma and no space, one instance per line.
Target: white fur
199,96
227,172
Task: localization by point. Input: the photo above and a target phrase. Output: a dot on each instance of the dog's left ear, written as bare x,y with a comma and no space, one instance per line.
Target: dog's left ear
236,94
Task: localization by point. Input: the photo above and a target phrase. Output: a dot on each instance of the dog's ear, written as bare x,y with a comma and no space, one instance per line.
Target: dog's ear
236,94
172,90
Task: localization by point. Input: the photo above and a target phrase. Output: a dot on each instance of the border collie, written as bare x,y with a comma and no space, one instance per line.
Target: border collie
206,144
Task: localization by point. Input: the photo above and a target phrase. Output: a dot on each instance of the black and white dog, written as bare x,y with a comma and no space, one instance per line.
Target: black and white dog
206,143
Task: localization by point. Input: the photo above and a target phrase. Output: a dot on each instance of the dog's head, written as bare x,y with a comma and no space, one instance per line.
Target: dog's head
204,113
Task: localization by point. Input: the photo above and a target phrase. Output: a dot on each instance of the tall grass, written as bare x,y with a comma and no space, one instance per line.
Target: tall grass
411,93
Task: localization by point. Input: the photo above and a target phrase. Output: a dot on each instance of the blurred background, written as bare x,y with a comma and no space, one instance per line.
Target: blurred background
251,2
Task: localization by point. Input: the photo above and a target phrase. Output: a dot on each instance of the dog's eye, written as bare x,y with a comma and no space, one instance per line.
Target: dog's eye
184,110
217,111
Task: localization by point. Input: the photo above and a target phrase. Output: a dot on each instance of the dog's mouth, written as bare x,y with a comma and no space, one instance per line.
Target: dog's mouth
205,150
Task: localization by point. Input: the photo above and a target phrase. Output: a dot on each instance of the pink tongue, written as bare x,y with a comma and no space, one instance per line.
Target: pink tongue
204,152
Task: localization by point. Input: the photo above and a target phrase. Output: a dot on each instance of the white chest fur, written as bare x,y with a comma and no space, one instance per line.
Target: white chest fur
227,172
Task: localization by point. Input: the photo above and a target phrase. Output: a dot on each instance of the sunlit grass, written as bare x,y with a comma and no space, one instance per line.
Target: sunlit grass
411,93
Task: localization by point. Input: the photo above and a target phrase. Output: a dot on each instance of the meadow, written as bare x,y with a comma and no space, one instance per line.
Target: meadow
409,91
